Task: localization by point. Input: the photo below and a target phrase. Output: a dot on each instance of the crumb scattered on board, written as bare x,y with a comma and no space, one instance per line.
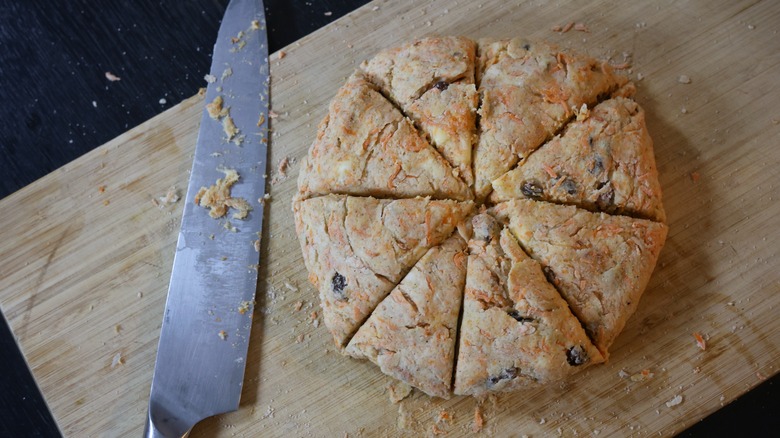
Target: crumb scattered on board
479,420
217,197
695,177
676,400
171,197
641,376
398,391
281,170
580,27
700,341
222,335
112,77
684,79
117,360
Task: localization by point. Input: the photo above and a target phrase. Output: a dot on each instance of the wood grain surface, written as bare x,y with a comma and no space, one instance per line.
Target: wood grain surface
85,270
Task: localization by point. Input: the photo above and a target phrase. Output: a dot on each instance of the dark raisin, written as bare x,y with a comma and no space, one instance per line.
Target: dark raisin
442,85
527,46
506,374
605,199
570,186
549,274
337,285
532,190
598,165
519,317
576,355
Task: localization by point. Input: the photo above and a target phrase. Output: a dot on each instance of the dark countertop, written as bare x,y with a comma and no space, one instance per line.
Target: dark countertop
58,105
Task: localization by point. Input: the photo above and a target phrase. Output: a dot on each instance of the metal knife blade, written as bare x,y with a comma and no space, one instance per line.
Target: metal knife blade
204,338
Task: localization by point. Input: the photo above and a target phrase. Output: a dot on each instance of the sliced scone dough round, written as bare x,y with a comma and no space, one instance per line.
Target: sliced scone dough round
411,334
357,249
602,162
600,263
517,330
529,91
432,81
366,147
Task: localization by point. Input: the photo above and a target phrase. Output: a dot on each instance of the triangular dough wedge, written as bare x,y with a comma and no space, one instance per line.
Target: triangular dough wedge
600,263
516,331
602,162
411,334
357,249
432,80
529,91
365,147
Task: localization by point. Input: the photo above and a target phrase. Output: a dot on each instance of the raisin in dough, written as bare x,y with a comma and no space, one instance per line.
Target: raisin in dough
600,263
411,334
357,249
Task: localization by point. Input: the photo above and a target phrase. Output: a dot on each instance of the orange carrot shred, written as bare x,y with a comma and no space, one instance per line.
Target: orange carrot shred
700,340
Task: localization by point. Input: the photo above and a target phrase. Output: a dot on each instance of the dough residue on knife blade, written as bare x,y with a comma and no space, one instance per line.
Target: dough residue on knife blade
217,197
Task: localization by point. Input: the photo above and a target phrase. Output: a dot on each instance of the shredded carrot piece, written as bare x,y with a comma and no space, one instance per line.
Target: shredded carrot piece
550,171
479,421
391,182
700,340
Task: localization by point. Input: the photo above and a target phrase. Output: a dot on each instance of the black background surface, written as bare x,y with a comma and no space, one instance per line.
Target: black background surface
57,105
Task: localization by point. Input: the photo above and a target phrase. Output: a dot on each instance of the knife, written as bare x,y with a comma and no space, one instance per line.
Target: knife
206,324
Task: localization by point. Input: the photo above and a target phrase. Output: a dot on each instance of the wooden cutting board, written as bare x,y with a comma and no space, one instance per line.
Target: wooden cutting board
86,256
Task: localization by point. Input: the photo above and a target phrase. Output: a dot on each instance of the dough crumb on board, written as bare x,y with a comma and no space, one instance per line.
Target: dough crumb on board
676,400
171,197
112,77
641,376
281,170
398,391
479,420
117,360
700,341
217,197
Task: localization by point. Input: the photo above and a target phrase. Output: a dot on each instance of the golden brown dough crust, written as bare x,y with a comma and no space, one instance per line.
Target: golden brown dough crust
600,263
529,91
411,334
602,163
517,331
357,249
545,288
432,81
365,147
